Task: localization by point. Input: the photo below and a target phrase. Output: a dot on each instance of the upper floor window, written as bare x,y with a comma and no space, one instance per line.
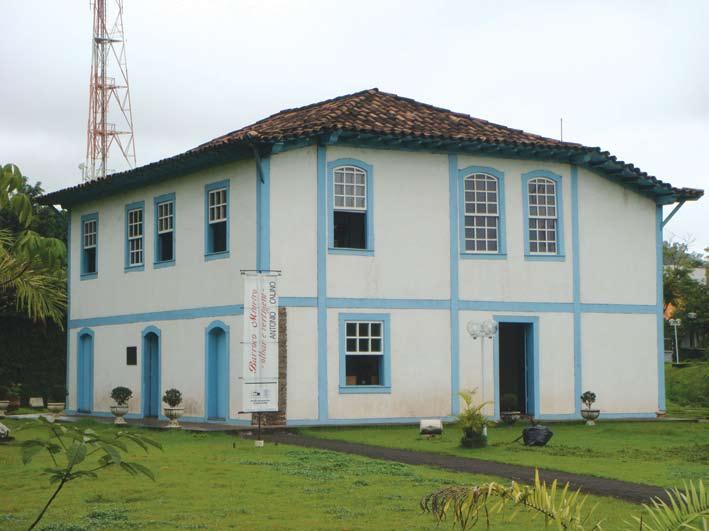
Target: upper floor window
482,214
543,214
364,353
89,245
165,229
217,213
134,235
350,202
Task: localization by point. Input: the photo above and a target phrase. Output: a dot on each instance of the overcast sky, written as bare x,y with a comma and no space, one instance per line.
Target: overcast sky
630,77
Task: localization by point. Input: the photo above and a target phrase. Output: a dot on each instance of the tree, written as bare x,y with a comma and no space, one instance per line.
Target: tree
32,266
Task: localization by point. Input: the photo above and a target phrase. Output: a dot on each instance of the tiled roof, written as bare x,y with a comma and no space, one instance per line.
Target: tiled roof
369,116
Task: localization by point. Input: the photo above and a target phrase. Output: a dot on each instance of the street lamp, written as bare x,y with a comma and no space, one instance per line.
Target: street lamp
676,323
486,329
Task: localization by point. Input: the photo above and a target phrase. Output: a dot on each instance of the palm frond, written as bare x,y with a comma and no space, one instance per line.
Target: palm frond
688,509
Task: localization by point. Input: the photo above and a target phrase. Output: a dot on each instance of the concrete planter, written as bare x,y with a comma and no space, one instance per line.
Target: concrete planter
173,413
510,417
4,404
590,415
119,412
55,408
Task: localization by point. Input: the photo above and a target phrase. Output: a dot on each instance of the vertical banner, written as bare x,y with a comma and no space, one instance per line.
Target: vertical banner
260,342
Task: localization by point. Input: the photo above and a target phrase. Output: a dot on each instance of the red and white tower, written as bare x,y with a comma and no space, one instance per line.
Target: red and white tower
110,116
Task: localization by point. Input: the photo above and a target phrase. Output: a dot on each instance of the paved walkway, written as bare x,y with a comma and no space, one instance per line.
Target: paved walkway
633,492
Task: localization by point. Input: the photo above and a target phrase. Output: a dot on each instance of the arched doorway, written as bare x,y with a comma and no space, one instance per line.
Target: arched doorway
85,371
151,372
217,367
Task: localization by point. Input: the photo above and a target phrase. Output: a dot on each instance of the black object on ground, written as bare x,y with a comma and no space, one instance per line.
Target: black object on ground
536,435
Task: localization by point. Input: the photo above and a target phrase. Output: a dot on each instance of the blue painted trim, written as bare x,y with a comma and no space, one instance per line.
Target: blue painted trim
83,274
263,215
618,308
363,421
385,386
225,328
167,315
454,293
367,168
298,302
157,263
67,357
430,304
322,210
90,384
660,310
517,306
137,205
576,282
501,253
209,255
143,386
523,319
604,416
526,177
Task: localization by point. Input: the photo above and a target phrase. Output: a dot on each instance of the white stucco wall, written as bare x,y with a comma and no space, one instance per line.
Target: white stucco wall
620,361
302,388
618,250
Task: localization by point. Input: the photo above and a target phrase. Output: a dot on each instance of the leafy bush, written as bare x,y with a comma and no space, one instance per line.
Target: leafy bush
4,392
588,398
121,395
172,397
471,417
57,394
688,386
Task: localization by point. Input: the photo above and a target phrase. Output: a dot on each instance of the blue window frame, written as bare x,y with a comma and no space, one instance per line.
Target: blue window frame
350,207
164,241
482,213
89,246
216,220
542,195
135,236
365,353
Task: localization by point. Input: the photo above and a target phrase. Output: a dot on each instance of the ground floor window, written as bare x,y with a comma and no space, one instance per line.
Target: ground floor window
364,352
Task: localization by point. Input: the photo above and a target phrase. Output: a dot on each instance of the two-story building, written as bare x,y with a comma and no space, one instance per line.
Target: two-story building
396,226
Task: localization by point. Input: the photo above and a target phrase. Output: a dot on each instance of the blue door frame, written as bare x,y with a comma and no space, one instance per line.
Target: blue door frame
150,405
217,371
531,343
85,371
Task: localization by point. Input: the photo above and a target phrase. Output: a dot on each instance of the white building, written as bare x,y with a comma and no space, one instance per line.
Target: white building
394,224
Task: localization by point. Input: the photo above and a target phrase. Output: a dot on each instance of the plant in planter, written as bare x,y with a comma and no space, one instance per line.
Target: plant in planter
121,395
4,401
14,394
472,422
57,400
510,409
588,398
173,411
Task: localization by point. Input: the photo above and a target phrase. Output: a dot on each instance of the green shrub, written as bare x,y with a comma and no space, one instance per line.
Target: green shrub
688,386
172,397
121,395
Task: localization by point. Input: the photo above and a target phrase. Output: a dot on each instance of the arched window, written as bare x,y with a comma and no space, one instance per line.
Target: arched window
482,213
350,203
542,216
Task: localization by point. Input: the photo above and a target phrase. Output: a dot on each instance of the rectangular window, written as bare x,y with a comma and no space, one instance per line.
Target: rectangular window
135,237
364,353
542,216
165,229
217,213
350,184
482,214
89,244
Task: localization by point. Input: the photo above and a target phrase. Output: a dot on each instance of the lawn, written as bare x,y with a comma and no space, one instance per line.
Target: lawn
655,453
218,481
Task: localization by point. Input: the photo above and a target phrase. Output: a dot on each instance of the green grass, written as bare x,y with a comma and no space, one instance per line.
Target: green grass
655,453
688,389
217,481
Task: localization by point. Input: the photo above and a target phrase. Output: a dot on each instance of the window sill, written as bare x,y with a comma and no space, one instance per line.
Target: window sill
166,263
131,269
365,389
483,256
216,256
342,250
89,276
545,257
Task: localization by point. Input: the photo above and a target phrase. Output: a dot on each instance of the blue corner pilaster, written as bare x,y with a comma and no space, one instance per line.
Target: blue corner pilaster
576,265
322,281
263,215
454,295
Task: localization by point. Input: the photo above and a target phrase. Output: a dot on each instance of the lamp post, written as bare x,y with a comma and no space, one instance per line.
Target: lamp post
676,323
482,330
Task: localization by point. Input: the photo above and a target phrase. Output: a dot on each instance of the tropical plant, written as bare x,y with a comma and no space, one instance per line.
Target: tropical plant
172,397
688,508
472,421
588,398
470,505
80,453
32,275
121,395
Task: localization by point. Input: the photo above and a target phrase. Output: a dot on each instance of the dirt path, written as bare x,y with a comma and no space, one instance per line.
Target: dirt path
632,492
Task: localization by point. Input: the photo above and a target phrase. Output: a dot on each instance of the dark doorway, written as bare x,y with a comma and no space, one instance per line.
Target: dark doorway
516,375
